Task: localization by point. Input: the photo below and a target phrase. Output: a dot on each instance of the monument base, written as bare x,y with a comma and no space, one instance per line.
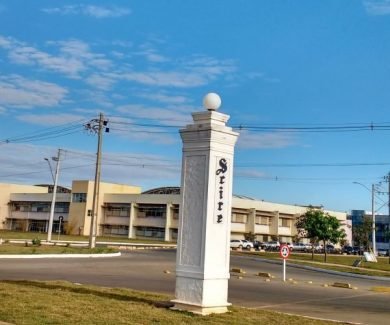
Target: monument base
198,309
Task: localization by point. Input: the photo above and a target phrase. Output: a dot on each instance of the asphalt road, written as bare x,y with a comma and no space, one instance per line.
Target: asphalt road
144,270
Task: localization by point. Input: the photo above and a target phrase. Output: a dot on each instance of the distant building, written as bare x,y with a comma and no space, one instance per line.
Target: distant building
124,211
382,223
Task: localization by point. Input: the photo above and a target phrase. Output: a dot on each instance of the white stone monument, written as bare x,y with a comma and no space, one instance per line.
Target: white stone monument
203,249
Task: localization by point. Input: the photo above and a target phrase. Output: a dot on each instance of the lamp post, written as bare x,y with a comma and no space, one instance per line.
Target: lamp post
53,201
372,213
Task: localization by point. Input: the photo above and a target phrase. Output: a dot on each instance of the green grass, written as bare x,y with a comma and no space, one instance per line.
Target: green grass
343,263
6,234
59,302
43,249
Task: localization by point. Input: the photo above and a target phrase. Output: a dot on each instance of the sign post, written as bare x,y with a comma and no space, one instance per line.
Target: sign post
60,219
284,253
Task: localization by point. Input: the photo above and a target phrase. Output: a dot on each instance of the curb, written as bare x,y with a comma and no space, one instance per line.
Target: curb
311,268
59,256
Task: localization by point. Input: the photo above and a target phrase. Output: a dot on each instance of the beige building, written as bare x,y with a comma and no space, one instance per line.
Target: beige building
125,211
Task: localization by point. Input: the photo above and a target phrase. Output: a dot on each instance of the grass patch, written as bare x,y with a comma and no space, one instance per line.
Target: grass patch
343,263
381,289
59,302
22,249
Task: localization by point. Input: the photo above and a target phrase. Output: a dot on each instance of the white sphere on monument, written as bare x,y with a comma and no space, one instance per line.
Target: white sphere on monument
212,101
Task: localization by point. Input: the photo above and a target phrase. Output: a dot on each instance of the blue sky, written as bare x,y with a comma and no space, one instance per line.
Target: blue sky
147,65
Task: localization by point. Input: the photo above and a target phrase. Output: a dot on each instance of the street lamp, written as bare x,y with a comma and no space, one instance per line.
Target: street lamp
51,169
53,201
372,213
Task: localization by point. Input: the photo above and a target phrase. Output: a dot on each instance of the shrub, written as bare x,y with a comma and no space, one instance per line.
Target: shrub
36,242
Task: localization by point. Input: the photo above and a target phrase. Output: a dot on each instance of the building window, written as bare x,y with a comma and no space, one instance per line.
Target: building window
118,211
151,211
283,222
37,226
151,232
111,230
79,197
264,221
62,207
175,212
239,218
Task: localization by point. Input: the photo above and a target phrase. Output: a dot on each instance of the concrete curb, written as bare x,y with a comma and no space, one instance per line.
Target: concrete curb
59,256
311,268
85,243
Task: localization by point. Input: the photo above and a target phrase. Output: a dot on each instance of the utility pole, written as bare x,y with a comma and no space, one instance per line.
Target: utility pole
96,126
373,220
53,201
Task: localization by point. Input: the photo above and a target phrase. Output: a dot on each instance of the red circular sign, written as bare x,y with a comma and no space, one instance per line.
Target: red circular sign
284,251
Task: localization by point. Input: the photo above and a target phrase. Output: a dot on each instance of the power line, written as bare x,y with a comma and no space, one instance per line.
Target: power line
47,133
249,165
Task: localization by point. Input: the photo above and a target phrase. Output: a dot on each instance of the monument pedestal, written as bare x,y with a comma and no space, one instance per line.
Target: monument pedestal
203,254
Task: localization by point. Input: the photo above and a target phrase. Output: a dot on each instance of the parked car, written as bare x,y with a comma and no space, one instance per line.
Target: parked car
318,248
300,247
241,243
272,246
258,245
290,246
352,250
349,250
383,252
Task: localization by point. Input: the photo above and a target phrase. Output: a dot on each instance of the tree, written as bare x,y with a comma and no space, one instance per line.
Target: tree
320,226
361,232
250,236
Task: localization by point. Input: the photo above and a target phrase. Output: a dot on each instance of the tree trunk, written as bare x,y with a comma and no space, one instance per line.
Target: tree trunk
325,250
312,252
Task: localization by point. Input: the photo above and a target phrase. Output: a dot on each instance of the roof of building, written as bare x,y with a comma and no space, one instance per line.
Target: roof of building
60,189
176,190
164,190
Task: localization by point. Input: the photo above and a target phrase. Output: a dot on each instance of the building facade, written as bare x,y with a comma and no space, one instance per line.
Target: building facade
124,211
382,226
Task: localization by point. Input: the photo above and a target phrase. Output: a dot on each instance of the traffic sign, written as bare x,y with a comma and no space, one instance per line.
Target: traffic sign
284,251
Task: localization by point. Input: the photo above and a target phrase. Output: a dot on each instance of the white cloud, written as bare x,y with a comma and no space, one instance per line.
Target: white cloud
30,56
164,98
128,128
137,169
159,114
81,51
187,73
151,54
167,78
16,91
5,42
50,119
100,81
377,7
2,110
73,59
248,140
89,10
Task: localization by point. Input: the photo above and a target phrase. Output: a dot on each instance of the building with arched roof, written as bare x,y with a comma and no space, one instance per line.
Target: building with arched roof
124,210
